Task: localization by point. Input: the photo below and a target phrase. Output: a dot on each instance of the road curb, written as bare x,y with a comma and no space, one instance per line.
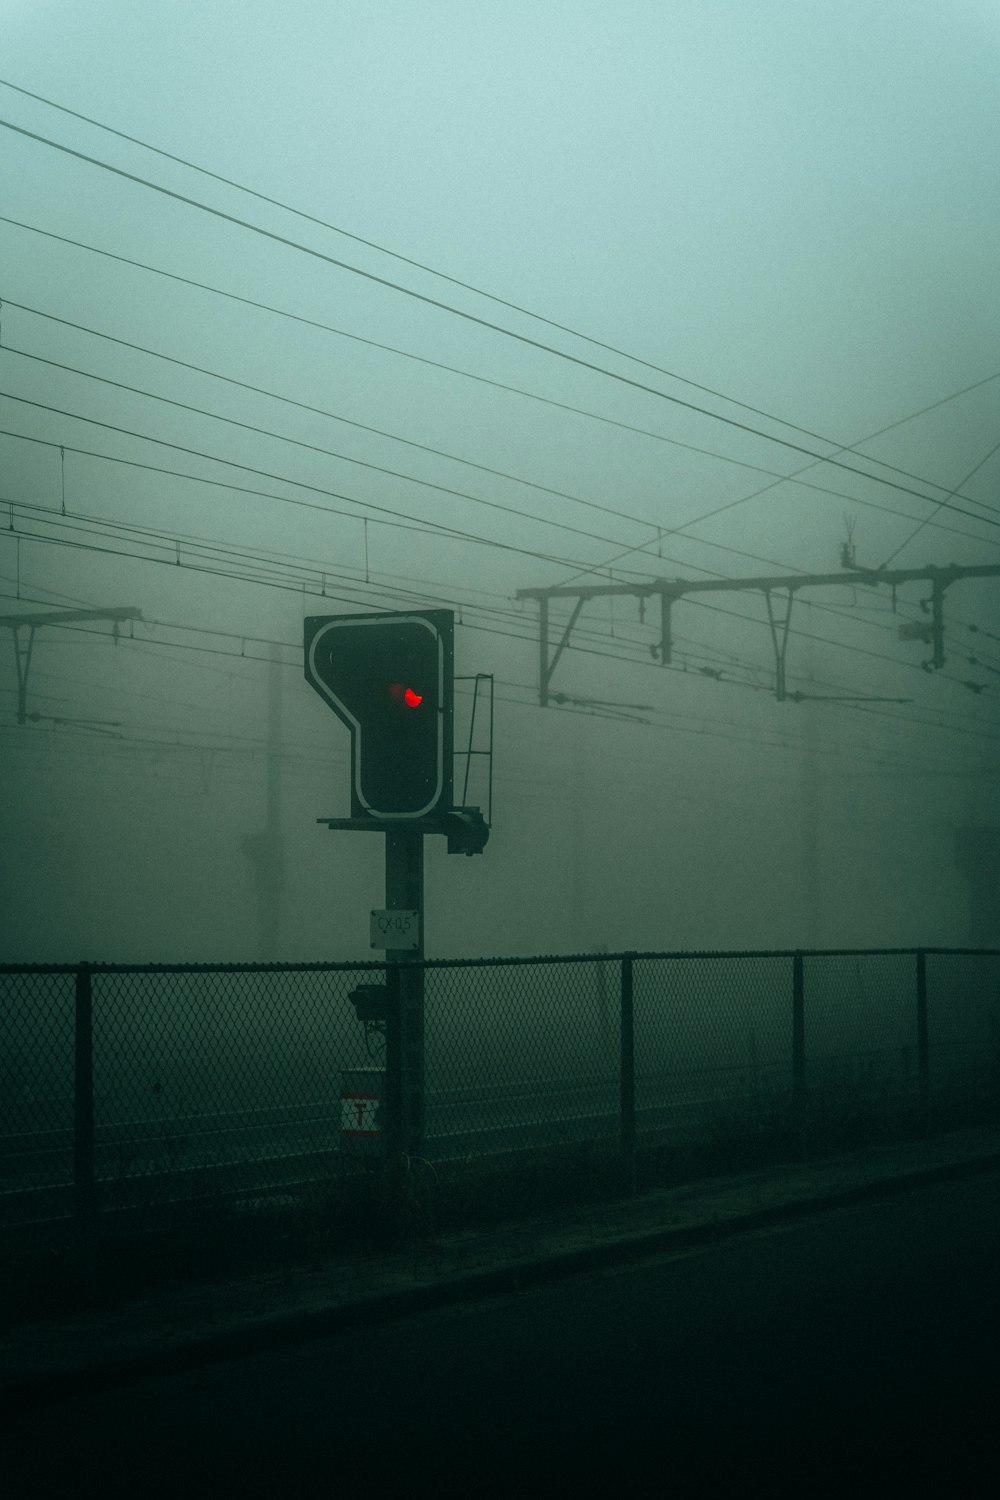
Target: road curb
41,1388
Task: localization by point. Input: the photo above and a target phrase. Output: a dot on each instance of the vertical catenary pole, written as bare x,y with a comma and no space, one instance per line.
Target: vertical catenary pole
543,652
923,1047
270,874
83,1099
627,1077
799,1051
404,890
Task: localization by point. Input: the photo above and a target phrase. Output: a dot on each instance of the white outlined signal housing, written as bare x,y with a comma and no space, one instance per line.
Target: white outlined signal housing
320,671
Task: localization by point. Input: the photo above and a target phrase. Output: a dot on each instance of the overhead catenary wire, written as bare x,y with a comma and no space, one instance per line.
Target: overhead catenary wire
928,519
378,468
228,485
403,259
290,565
779,740
783,740
310,580
320,759
387,518
259,431
385,515
534,396
929,499
299,589
571,330
660,532
300,576
317,575
62,452
856,707
309,250
326,509
423,266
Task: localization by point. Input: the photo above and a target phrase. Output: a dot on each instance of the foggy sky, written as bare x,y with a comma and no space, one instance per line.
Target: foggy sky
788,206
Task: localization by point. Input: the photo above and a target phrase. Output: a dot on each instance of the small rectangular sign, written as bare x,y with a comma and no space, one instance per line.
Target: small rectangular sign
359,1114
395,929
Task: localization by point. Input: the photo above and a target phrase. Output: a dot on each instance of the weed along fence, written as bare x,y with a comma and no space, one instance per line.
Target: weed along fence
129,1089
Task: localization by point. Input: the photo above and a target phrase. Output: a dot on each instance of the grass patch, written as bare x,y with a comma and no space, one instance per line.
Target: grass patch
373,1208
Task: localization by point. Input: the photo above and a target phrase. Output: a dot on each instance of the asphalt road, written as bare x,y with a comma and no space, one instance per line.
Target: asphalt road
851,1354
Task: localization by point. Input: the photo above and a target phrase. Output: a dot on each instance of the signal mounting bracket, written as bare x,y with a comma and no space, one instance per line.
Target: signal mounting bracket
465,828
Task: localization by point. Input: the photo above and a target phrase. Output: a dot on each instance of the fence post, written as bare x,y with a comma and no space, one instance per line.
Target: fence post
627,1056
923,1047
84,1176
83,1097
799,1051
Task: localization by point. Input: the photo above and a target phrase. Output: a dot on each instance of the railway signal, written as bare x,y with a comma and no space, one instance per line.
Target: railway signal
389,678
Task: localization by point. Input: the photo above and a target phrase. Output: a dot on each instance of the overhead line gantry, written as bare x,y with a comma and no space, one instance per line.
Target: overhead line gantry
669,590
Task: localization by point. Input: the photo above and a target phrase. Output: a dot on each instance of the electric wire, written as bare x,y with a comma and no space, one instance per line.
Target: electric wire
312,251
403,259
661,533
782,741
720,730
832,609
382,511
422,266
536,396
928,519
617,655
302,580
333,416
259,660
327,452
384,515
349,497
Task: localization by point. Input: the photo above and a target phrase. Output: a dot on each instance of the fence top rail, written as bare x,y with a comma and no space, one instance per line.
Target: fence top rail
515,961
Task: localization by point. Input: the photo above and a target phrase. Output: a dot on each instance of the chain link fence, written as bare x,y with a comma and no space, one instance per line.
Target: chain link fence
125,1090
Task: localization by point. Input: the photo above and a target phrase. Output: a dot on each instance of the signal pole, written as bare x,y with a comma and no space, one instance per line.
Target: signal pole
404,891
389,678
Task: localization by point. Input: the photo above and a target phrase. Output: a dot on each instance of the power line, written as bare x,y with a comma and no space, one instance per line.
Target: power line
155,354
384,515
315,448
319,572
206,555
244,638
536,396
410,261
290,585
290,564
288,243
949,727
927,519
423,528
782,741
429,527
661,532
333,416
329,452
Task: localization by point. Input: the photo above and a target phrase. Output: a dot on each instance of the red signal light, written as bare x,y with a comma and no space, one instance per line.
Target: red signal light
405,695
